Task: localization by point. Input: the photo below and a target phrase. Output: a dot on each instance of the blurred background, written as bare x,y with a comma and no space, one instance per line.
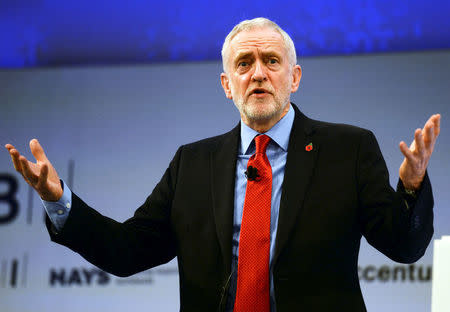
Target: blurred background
112,88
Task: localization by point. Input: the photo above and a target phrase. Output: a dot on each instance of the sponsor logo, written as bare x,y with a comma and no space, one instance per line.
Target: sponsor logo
92,276
413,273
78,277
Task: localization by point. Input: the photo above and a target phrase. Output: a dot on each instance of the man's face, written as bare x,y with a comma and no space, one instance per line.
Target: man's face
259,77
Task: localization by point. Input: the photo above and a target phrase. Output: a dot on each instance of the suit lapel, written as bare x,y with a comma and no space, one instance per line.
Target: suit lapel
299,169
223,168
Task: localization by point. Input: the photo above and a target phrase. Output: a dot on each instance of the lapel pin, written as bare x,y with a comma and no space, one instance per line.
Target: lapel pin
309,147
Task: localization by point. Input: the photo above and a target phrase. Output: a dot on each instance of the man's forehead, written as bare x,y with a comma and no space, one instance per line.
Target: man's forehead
257,37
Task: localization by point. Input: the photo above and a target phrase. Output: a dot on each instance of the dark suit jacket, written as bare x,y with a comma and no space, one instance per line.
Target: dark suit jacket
331,196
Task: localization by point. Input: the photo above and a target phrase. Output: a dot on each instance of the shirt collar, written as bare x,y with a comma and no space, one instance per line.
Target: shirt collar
279,133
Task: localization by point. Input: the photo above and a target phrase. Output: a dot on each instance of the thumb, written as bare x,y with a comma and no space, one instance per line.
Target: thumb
37,150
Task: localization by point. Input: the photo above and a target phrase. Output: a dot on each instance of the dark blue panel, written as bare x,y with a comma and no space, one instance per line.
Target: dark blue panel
50,32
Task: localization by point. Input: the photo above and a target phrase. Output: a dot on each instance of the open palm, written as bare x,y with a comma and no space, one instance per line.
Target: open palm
417,156
41,175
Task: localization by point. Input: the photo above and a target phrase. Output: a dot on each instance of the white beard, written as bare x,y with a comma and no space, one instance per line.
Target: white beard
255,111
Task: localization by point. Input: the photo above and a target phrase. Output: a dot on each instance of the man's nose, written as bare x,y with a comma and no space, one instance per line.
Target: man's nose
260,72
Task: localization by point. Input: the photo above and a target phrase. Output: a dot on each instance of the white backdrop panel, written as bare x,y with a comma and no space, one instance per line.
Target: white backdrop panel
120,126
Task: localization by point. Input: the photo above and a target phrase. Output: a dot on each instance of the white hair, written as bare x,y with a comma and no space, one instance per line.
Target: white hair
259,22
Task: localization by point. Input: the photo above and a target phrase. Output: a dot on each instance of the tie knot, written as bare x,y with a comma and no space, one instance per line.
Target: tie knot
261,142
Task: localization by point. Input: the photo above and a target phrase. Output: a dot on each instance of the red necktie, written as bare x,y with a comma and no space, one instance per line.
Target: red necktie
252,294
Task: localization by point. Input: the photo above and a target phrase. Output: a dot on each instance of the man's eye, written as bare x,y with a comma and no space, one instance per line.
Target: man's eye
273,61
243,64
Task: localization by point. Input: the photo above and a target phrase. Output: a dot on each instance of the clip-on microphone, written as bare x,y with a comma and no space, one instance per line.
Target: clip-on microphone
251,173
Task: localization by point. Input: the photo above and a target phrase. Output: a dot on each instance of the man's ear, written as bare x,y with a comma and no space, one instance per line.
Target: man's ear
226,85
296,76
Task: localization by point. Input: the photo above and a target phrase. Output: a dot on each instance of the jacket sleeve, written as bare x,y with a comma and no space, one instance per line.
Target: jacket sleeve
398,226
141,242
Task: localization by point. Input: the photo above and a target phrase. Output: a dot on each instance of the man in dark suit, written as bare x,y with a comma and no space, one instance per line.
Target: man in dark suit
329,186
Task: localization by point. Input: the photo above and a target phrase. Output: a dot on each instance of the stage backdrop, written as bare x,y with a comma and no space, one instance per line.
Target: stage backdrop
111,131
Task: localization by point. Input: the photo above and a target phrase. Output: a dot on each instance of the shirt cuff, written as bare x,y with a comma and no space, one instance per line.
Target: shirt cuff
58,211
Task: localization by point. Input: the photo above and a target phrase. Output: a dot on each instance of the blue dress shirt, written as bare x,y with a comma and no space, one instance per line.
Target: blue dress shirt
276,153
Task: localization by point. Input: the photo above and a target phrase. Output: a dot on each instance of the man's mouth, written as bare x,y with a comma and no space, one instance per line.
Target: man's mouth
259,92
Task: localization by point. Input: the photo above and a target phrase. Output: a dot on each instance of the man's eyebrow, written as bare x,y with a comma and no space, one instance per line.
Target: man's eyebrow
242,55
245,54
271,53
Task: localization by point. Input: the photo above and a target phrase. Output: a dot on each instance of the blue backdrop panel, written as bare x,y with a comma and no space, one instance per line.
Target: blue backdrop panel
51,32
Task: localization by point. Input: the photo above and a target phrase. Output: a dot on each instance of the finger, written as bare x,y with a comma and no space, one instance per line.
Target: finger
15,159
407,152
420,145
37,150
9,147
26,171
428,135
437,124
42,180
412,147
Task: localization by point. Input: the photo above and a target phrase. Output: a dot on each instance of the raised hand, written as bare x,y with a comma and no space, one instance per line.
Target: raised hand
40,175
417,156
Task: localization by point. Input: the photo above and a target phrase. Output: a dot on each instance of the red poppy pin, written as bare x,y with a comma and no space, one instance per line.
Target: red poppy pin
309,147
